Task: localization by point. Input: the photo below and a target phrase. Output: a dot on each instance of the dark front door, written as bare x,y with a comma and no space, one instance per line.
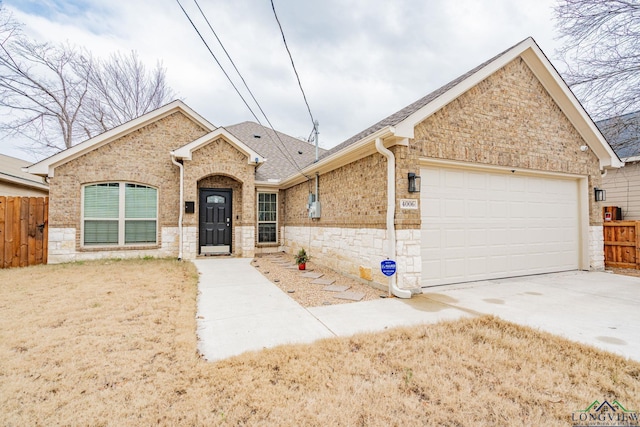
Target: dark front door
215,221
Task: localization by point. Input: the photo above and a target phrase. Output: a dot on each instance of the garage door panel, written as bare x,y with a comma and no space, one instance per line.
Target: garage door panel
453,179
477,266
480,225
476,181
498,264
454,239
477,237
454,208
431,208
517,185
477,208
430,239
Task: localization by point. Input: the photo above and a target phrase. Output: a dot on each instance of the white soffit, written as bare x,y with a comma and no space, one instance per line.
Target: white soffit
185,152
529,51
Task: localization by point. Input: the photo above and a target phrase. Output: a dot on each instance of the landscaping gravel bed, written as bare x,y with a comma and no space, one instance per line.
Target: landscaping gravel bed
281,270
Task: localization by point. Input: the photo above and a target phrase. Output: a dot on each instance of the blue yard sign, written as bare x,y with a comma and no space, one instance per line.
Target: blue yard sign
388,267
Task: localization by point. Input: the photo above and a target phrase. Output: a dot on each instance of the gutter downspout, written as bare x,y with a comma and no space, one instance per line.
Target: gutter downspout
391,212
181,167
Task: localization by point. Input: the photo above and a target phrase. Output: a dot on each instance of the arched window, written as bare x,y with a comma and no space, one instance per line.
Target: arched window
119,213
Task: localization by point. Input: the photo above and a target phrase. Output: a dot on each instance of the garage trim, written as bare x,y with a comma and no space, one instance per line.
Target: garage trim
583,194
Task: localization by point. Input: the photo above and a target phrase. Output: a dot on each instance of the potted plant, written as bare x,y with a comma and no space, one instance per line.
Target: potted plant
301,259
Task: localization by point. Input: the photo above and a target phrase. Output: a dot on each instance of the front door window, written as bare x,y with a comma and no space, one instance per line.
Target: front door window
215,221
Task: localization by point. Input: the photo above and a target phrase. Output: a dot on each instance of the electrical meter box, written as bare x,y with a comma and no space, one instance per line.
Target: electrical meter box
314,210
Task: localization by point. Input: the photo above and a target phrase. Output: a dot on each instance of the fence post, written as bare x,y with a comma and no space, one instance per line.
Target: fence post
3,208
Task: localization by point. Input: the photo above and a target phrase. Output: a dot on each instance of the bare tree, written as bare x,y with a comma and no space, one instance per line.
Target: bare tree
57,95
43,88
602,53
121,89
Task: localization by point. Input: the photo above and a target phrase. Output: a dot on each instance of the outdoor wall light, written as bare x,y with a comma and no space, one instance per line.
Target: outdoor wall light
414,183
600,194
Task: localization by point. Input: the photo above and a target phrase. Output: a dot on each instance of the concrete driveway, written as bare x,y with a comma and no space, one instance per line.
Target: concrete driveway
240,310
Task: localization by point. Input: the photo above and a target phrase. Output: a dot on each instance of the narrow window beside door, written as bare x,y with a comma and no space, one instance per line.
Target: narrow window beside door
267,217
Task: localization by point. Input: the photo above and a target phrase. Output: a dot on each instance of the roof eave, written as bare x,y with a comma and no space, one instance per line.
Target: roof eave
351,153
23,182
186,151
46,167
570,106
548,76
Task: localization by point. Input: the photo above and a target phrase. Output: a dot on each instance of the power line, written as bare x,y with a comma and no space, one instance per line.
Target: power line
291,159
287,155
284,39
216,59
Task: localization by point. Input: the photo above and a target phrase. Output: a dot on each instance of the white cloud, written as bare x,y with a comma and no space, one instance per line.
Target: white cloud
359,60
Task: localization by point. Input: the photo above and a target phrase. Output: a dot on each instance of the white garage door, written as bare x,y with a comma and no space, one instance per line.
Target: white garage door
479,225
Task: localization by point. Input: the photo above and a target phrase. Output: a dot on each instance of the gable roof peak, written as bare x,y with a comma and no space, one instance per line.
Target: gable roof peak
45,167
404,121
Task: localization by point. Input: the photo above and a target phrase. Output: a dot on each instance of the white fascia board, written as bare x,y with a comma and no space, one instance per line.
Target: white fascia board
349,154
529,51
570,106
266,187
186,151
23,181
406,127
46,167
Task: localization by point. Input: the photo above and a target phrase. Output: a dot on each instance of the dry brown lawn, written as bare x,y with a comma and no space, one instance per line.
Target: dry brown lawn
113,343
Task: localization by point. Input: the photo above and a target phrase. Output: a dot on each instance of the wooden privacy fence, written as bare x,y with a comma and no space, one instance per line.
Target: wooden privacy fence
622,244
23,231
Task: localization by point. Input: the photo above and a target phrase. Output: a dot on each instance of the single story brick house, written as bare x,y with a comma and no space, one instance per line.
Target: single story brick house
490,176
622,185
17,183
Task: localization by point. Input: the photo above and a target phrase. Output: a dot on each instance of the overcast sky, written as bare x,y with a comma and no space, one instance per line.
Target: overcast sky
358,60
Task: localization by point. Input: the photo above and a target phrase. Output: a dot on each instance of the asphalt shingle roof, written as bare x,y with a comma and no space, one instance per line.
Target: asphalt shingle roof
11,170
277,165
622,133
281,162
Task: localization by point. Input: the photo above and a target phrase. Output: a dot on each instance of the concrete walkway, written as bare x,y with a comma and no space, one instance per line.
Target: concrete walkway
240,310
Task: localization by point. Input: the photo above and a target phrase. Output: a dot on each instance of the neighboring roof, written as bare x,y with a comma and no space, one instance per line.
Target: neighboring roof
285,154
403,122
623,133
11,171
186,151
46,166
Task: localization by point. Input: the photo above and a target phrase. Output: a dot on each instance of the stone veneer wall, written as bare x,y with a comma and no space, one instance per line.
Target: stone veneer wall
358,252
596,247
62,247
140,157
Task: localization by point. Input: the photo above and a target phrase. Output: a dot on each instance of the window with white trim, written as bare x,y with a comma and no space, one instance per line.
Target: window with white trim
267,218
119,213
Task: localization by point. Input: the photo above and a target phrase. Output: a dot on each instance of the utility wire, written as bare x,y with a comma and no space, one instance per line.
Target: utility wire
284,39
292,159
216,59
287,155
